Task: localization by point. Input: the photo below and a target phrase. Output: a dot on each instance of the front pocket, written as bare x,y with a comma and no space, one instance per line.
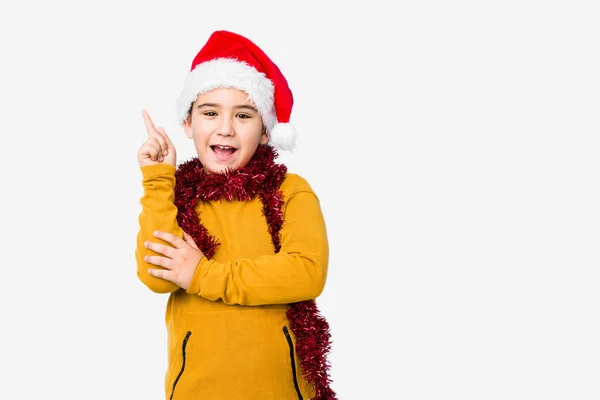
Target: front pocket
183,346
293,359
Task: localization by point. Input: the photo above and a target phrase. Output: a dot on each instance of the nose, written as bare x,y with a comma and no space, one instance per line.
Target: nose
225,128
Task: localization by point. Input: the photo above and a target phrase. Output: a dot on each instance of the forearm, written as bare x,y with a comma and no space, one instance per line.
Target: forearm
297,273
158,213
277,279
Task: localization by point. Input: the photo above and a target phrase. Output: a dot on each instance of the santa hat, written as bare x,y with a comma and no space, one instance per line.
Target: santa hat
229,60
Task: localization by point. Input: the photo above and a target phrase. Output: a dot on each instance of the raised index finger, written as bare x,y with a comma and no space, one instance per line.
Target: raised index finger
148,122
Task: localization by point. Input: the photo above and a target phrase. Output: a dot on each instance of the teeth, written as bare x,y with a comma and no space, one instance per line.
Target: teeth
224,147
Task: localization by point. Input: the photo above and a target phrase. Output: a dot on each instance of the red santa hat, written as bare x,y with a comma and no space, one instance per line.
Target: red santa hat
229,60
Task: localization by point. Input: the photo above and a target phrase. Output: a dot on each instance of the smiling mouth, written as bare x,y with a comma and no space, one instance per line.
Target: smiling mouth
223,150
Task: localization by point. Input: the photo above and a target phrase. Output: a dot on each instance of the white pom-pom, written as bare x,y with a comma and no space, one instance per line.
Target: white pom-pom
283,136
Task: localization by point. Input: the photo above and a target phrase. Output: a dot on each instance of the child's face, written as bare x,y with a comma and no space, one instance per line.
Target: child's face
226,128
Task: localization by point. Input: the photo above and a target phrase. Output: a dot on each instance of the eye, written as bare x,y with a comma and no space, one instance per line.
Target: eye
210,113
244,116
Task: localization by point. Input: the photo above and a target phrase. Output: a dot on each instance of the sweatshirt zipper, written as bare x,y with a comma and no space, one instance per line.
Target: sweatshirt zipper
185,340
293,359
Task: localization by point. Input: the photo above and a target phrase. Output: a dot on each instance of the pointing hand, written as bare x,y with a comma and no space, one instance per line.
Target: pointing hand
158,148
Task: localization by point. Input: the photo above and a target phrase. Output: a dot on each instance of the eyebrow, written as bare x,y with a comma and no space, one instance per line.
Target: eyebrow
216,105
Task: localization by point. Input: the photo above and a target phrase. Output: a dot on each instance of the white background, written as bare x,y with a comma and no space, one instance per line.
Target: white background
454,147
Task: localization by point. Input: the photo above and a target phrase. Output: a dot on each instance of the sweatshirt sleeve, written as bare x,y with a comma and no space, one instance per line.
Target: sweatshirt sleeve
158,213
297,273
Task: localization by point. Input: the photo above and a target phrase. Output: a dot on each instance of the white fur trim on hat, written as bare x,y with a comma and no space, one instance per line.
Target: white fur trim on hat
229,73
283,136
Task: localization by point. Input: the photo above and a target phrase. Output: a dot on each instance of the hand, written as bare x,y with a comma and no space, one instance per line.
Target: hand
180,261
158,148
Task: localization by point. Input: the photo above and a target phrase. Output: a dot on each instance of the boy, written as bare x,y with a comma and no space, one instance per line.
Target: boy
239,244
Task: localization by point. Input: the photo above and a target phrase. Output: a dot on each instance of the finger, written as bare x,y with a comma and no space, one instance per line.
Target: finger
167,251
164,140
157,141
148,122
190,240
152,150
160,261
148,152
176,241
162,131
161,273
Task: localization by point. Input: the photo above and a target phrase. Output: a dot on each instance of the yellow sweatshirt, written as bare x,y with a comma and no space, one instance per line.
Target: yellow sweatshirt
228,333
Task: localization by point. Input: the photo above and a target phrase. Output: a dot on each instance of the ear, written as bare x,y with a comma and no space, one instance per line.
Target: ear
187,126
264,137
